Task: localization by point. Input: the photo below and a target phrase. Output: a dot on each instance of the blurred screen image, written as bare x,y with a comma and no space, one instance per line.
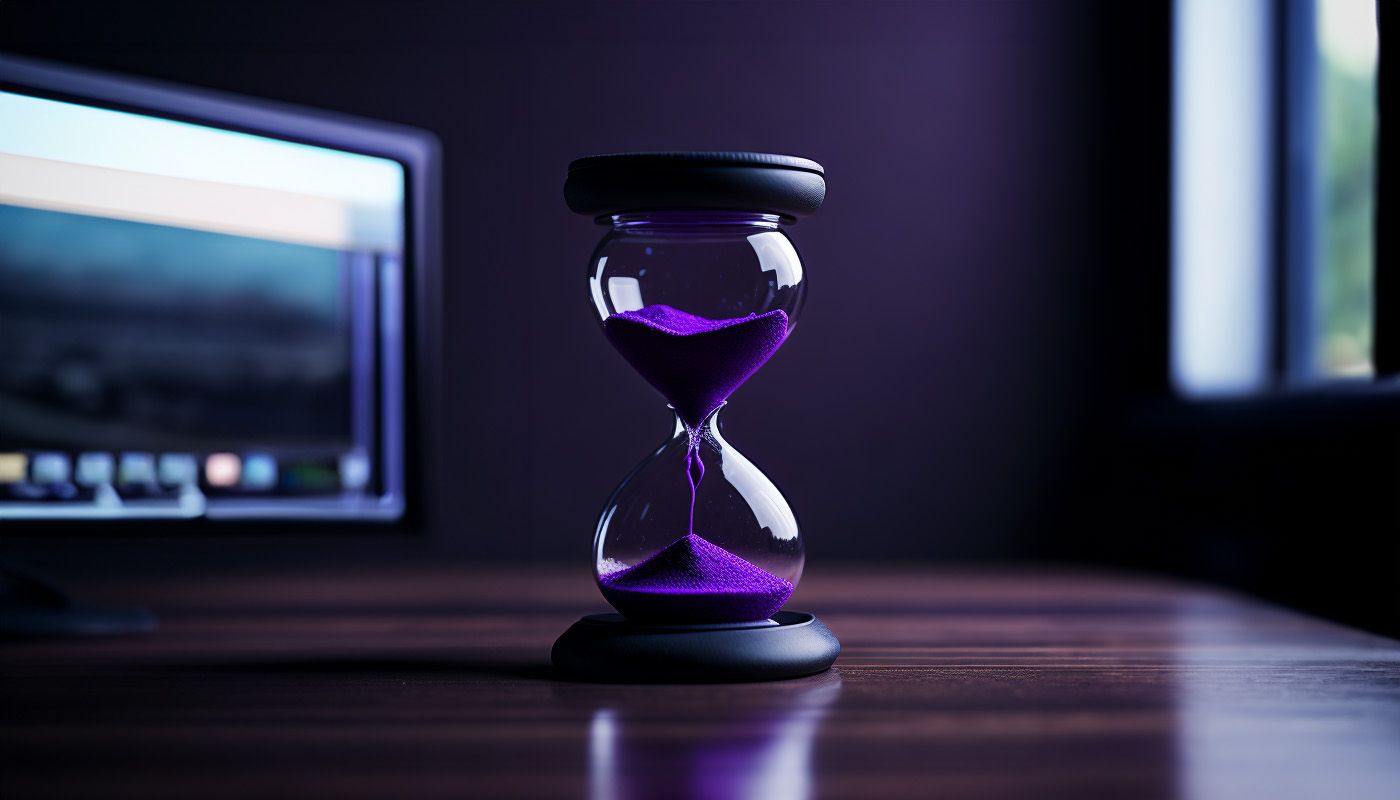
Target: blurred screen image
194,321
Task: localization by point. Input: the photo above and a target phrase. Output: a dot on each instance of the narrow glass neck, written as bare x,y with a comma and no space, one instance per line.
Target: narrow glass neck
709,425
690,220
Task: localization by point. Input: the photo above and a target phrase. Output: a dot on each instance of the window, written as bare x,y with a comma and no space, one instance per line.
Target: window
1273,194
1347,46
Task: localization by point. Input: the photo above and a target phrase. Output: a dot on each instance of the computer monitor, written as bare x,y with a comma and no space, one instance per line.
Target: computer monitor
210,307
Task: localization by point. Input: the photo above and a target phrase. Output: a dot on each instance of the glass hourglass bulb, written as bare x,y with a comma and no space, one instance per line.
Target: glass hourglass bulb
697,302
739,553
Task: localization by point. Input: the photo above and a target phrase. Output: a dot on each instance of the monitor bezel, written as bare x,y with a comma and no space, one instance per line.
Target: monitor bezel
419,153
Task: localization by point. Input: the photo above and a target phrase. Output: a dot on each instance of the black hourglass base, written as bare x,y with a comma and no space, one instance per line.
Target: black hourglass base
608,648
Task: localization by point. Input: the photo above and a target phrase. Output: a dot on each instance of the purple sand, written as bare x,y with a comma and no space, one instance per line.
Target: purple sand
694,361
692,581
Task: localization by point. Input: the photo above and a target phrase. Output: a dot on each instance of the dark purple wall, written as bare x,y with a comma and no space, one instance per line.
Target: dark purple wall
999,202
925,405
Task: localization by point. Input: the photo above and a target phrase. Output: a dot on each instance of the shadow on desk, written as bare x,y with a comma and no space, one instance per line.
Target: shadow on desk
378,668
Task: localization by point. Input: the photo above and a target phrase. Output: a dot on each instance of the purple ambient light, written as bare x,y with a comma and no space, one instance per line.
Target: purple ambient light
697,363
693,581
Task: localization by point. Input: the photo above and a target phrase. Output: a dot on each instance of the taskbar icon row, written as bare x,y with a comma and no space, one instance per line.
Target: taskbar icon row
50,475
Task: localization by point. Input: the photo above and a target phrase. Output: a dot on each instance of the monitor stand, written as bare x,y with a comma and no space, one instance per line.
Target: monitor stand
34,606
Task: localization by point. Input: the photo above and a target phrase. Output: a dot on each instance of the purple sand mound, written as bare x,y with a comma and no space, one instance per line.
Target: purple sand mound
693,581
694,361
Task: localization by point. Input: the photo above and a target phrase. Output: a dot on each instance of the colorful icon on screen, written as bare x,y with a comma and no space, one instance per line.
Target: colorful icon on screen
137,469
94,469
222,469
308,477
354,471
259,472
46,468
177,469
14,467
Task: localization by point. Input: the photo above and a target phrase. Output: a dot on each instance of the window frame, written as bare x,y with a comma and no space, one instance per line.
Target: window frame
1289,197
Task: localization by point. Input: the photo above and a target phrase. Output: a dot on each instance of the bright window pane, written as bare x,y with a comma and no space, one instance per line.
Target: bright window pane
1348,46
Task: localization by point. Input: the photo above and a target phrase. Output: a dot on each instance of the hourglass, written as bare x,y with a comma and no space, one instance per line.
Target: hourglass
697,285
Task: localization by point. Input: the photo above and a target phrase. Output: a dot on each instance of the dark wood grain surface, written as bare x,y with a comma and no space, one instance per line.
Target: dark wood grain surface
433,682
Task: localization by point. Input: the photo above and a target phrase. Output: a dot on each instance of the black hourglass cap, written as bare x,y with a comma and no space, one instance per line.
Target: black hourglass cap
721,181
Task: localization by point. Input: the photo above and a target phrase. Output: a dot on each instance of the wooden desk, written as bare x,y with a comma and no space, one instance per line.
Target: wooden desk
433,683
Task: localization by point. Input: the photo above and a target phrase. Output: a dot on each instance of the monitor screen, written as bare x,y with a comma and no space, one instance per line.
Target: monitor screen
195,321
